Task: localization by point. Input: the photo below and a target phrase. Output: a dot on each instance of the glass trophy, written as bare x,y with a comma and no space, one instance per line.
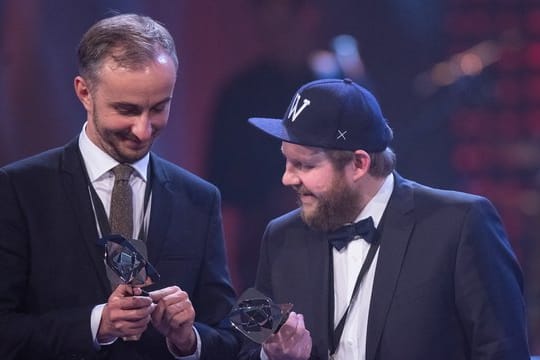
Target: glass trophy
257,317
126,259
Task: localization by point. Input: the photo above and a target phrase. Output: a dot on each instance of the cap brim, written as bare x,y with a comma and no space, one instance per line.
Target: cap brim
272,127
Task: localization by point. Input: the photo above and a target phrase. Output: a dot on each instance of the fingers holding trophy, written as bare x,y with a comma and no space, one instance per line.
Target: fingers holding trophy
126,263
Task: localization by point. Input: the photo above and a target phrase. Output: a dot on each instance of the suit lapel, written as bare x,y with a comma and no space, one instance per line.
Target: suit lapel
160,218
398,223
75,184
317,253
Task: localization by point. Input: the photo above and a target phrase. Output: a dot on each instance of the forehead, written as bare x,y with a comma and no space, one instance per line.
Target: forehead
121,61
153,79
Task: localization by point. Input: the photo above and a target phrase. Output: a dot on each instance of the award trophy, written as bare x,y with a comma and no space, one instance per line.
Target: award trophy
127,260
257,316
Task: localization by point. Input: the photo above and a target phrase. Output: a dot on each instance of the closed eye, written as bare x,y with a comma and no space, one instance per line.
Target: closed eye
158,109
302,166
127,109
161,106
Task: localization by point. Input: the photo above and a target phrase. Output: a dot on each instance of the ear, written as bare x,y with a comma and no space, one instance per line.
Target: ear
361,163
82,89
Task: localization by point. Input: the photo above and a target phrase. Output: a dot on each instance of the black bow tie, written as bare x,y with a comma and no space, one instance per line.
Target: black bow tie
342,236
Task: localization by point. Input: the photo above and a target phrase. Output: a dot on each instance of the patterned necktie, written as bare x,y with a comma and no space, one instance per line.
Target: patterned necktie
121,213
345,234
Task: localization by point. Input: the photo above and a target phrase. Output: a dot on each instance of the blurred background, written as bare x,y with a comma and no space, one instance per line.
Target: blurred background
459,81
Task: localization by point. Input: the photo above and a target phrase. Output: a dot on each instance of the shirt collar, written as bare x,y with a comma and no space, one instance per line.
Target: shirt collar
98,163
376,206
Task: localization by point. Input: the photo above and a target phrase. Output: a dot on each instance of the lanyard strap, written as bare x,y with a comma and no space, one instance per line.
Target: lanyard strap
335,333
99,209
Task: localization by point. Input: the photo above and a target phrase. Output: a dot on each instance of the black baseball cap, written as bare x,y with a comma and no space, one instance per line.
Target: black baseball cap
333,114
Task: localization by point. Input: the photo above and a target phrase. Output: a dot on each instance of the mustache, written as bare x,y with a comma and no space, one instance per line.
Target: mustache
128,135
301,190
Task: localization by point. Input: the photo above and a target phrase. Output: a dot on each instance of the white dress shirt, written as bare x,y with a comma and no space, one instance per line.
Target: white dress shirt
347,264
98,167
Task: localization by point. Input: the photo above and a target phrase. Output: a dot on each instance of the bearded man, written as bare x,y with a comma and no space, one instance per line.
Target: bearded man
377,266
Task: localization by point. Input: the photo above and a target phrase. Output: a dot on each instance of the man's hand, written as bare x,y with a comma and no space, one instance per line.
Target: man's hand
291,342
173,316
126,314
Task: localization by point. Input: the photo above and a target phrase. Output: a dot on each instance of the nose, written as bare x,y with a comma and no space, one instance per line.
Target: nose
142,128
290,178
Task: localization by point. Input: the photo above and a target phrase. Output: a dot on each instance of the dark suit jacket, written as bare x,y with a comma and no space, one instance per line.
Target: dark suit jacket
447,284
53,272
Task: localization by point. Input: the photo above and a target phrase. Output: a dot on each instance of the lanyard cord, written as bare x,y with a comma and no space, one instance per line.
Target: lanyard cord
99,209
335,333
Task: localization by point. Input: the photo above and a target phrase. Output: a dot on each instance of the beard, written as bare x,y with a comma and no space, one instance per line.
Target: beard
334,209
111,141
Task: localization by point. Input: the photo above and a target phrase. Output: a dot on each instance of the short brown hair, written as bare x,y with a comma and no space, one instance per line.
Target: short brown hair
131,40
382,163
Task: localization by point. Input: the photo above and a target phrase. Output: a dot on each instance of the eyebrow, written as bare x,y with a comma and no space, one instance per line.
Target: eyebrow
166,100
123,104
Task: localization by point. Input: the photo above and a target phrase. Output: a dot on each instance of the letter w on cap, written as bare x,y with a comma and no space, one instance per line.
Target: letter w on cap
294,107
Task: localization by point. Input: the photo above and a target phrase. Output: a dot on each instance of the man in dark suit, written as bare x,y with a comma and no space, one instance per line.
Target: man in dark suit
56,299
377,266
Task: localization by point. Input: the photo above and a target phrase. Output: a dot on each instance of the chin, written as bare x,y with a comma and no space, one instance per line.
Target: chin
307,213
131,155
305,210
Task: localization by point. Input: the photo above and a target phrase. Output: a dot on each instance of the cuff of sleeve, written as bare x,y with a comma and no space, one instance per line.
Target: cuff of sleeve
95,320
195,356
263,355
